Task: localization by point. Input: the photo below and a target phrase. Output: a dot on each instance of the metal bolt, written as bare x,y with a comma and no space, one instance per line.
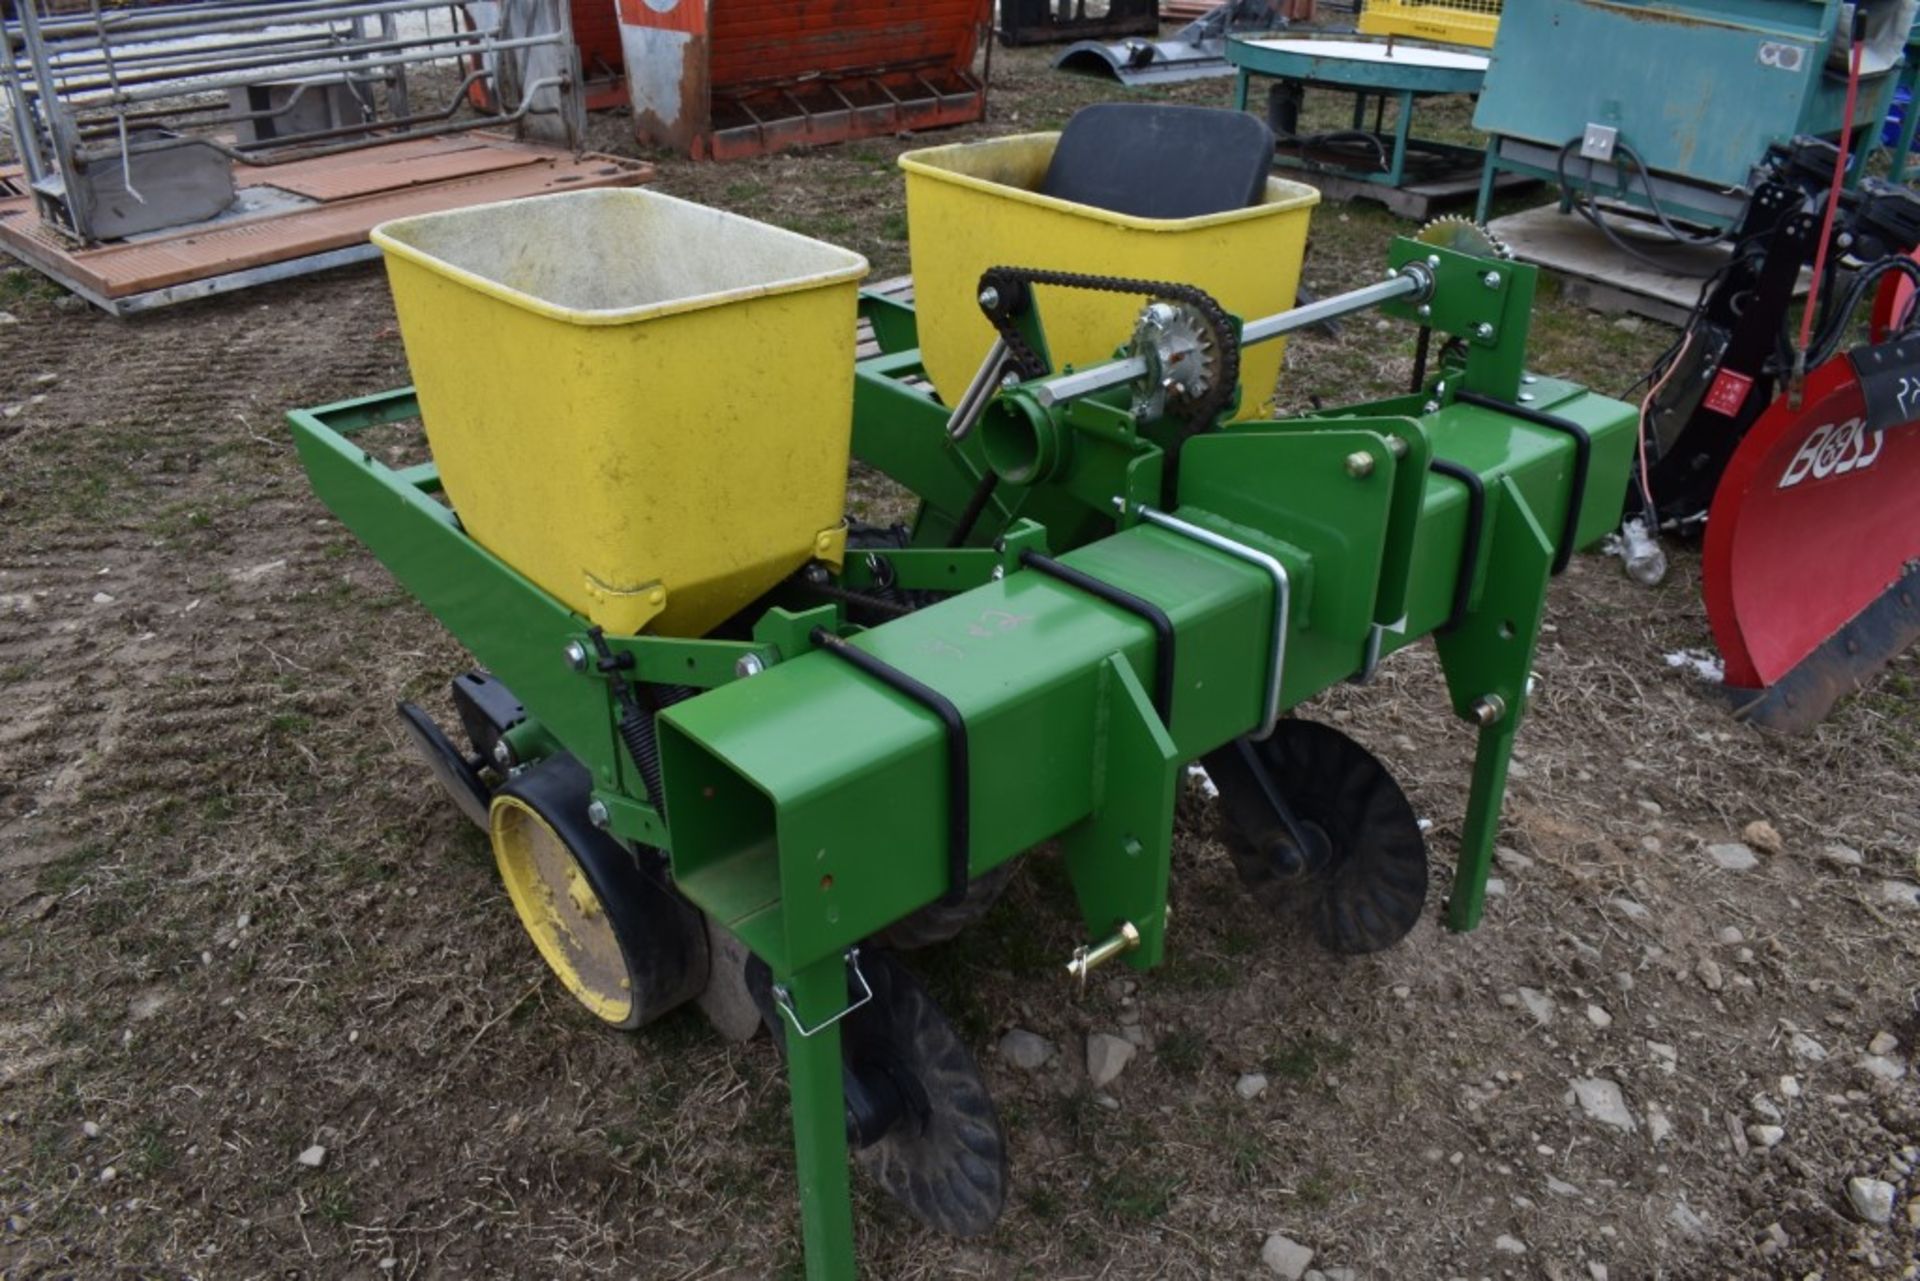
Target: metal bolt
1528,379
999,572
1425,311
1009,381
1526,397
598,816
1491,280
502,754
1433,261
1393,273
1359,464
577,656
1483,331
1089,957
989,297
1397,446
873,564
1431,407
748,665
1533,683
1488,709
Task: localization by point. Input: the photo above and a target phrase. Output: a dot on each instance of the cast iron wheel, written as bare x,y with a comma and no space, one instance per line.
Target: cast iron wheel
457,773
941,1153
1363,880
937,921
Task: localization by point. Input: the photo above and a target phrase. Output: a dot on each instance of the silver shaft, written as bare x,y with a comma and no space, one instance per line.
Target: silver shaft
1085,382
1268,328
1114,373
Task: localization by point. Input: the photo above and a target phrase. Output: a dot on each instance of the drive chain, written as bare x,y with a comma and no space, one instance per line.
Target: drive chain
1012,291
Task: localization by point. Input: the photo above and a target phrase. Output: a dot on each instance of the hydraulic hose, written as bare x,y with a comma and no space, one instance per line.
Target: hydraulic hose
1587,206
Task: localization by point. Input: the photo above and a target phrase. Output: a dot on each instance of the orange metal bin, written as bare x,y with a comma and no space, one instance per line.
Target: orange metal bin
721,79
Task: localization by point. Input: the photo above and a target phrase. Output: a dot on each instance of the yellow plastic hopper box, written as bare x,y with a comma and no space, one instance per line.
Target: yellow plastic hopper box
976,205
641,404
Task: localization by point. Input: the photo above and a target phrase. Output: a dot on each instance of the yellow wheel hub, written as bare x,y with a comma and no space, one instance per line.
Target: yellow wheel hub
559,908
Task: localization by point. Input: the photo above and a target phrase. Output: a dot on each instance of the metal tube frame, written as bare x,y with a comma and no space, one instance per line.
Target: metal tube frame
78,85
1282,600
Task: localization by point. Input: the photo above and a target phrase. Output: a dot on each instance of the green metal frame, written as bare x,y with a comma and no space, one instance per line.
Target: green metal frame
810,804
1403,84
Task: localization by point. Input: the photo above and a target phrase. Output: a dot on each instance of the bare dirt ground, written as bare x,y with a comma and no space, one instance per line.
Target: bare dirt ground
239,921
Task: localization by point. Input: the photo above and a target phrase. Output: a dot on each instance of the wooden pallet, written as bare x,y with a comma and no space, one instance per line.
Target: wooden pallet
300,217
1417,201
1593,273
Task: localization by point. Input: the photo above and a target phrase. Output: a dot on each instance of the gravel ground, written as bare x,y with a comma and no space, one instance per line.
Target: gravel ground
265,1011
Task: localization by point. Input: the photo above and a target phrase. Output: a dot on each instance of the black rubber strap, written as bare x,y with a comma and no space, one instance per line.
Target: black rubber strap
1155,617
1582,458
959,773
1470,541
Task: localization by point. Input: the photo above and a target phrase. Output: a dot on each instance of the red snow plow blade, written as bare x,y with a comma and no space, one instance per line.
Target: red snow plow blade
1811,567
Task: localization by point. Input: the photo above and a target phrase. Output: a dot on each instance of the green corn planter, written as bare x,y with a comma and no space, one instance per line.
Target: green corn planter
1094,594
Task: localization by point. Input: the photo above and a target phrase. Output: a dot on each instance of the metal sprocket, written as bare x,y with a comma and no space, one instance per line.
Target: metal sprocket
1010,292
1462,235
1186,359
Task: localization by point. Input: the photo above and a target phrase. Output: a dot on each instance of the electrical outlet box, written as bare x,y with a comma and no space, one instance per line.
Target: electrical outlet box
1597,142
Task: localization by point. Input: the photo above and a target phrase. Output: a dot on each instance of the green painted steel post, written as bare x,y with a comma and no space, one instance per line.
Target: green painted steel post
1488,661
1402,128
1491,757
1240,90
1489,173
818,993
1903,148
1120,855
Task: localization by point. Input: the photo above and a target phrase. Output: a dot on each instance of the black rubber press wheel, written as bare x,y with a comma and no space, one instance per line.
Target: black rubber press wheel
619,937
924,1126
1364,880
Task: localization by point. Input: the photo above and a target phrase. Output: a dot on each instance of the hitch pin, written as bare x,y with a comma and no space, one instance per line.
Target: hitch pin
1086,959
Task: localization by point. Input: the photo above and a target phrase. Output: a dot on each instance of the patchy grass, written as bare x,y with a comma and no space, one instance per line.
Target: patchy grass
1182,1051
1133,1195
1303,1058
216,747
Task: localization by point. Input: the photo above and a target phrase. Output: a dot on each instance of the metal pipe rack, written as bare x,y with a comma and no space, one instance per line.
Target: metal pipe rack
98,98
